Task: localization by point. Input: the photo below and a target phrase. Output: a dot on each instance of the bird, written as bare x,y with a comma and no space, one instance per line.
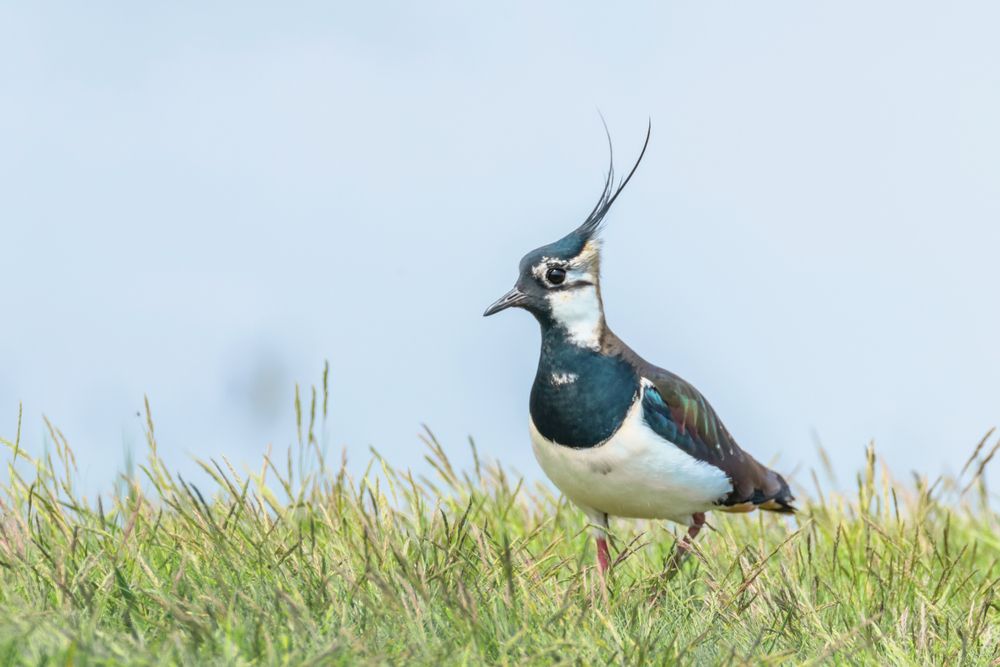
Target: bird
617,435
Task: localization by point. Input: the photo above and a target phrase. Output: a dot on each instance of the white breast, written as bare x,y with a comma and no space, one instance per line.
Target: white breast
635,473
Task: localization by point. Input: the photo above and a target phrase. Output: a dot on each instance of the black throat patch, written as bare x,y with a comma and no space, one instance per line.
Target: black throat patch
580,396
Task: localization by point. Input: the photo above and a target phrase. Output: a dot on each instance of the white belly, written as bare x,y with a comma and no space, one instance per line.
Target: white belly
635,473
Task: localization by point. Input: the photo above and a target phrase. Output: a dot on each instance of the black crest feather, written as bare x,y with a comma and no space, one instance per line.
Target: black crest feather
592,224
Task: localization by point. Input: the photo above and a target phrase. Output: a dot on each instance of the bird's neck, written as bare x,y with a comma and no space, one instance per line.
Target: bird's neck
577,316
580,394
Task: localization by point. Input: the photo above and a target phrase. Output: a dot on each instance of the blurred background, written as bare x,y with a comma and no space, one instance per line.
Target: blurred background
202,202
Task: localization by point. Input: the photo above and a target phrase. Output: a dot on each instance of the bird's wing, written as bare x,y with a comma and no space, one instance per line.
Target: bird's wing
678,412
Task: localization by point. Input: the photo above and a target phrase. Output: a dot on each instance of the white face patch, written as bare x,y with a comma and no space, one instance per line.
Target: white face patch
577,306
564,378
578,311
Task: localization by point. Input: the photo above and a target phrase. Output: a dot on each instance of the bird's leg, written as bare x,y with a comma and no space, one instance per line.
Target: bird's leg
599,529
697,521
603,557
683,549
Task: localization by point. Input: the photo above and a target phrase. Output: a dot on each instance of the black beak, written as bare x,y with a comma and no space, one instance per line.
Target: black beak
511,298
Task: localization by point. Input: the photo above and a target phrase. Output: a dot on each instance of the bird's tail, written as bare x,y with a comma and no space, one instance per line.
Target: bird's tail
779,499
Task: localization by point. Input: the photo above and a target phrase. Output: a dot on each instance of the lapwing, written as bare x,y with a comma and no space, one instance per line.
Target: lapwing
617,435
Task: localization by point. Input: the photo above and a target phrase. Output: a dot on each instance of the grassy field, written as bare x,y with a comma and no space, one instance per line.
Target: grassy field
299,563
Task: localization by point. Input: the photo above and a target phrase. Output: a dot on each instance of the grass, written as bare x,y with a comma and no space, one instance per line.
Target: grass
300,563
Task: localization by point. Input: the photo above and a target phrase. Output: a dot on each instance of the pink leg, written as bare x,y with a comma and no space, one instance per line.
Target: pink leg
684,546
697,521
603,557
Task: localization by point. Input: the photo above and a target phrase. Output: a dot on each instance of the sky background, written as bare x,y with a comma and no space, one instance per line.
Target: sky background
202,202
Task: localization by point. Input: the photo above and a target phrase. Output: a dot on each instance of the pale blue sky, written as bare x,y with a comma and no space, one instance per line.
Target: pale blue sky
203,201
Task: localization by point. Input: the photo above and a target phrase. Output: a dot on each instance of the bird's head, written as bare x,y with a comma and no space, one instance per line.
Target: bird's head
559,283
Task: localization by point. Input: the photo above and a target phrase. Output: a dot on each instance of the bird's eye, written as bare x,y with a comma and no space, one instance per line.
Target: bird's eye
555,275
